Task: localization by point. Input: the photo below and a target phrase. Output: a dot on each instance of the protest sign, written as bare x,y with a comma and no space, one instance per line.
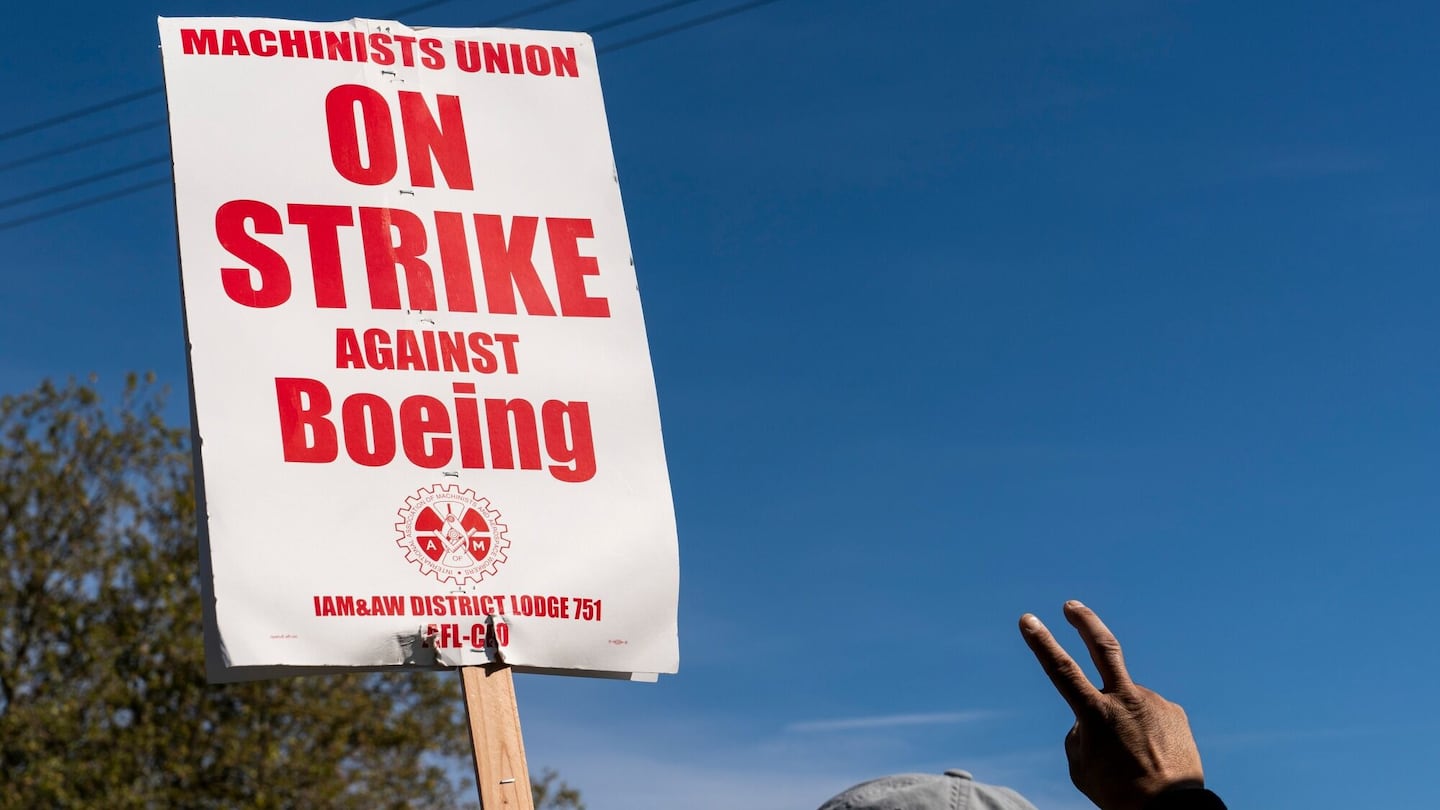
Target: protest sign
424,409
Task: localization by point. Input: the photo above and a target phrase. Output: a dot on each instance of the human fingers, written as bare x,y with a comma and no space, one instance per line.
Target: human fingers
1069,679
1103,646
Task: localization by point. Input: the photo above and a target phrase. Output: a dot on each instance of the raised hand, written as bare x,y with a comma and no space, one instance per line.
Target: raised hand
1128,744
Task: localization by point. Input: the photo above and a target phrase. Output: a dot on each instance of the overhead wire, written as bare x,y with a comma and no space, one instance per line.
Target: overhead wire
157,89
84,181
695,23
77,146
639,15
79,204
614,22
525,12
74,114
81,112
400,12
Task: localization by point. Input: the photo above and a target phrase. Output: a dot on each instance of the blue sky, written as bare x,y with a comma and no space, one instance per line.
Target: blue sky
957,311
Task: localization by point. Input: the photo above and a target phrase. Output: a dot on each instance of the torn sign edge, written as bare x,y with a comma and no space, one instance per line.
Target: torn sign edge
218,674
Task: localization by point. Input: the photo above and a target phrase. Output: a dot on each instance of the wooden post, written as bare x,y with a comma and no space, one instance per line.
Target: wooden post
500,771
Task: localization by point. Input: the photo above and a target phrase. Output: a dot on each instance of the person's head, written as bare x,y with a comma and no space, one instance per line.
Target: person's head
953,790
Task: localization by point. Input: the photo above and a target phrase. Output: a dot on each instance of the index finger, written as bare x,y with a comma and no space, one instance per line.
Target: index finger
1069,679
1104,647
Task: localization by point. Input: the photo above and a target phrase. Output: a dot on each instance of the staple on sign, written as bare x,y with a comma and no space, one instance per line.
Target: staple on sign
451,473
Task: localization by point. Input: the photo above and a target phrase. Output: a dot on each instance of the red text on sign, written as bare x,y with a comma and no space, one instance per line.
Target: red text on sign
425,350
398,242
479,636
425,137
424,429
335,46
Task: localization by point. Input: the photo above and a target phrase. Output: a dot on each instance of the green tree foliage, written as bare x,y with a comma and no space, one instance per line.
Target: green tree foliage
103,700
550,793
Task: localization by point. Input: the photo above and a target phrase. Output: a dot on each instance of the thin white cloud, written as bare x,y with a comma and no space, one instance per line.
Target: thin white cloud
639,777
660,761
888,721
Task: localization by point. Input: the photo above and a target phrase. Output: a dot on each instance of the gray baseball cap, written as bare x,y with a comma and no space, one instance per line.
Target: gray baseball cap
955,790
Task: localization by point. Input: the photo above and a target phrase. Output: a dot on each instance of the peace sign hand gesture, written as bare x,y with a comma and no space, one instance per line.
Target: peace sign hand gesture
1128,744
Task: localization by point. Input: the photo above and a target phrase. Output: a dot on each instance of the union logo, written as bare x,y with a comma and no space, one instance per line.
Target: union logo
451,534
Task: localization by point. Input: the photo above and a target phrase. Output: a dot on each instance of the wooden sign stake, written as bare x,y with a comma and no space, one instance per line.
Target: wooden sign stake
500,771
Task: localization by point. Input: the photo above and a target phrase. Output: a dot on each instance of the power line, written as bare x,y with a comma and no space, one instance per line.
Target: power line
119,101
606,25
116,102
150,91
647,37
639,15
77,205
698,21
84,181
400,12
75,147
122,100
80,113
525,12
